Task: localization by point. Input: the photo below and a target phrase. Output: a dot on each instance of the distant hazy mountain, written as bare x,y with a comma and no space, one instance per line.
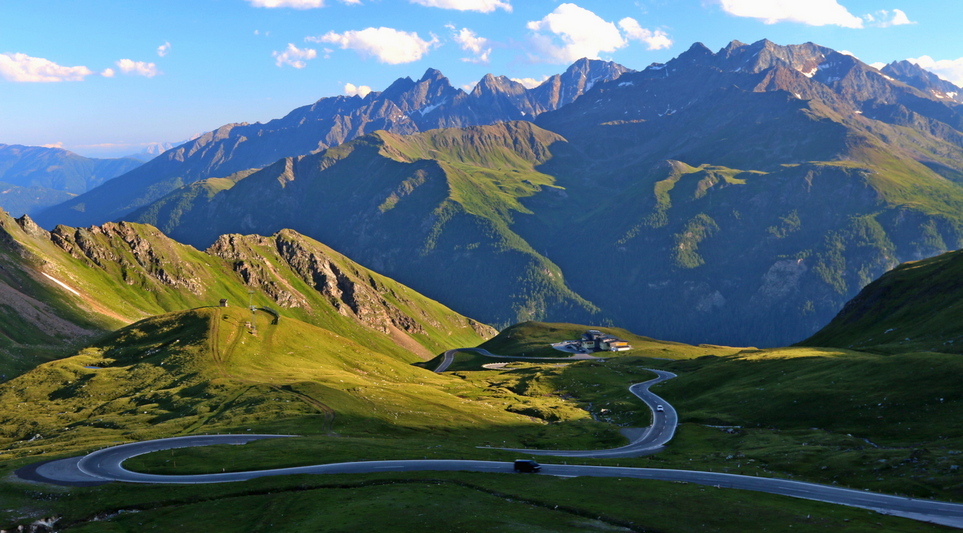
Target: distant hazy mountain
153,150
405,107
35,177
737,197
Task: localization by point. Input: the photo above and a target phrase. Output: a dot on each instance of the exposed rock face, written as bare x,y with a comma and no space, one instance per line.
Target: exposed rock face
31,228
352,293
924,80
135,249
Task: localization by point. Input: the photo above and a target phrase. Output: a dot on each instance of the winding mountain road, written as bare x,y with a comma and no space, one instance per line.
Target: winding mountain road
449,357
652,440
106,465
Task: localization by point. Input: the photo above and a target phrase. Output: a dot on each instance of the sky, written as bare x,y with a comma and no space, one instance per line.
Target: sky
106,78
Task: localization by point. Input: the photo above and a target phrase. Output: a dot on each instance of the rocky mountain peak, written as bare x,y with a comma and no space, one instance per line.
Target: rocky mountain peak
432,75
924,80
31,228
498,84
397,88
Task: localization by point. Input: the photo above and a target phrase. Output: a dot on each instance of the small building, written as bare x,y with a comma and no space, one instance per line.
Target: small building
596,341
223,302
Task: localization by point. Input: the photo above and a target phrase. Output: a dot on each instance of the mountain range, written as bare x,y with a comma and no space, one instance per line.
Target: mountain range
738,197
33,178
405,107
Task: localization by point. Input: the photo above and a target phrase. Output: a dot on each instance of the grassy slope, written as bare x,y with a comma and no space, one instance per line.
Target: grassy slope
914,307
449,502
202,370
126,272
533,339
466,186
379,415
490,170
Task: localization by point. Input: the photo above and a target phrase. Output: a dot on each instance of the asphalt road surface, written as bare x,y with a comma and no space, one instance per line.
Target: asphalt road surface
449,357
107,465
650,441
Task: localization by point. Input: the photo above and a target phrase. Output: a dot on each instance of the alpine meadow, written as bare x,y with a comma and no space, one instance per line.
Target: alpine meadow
718,289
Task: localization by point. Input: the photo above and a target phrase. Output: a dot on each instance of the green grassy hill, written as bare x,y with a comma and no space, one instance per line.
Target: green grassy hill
437,208
63,287
914,307
206,370
203,370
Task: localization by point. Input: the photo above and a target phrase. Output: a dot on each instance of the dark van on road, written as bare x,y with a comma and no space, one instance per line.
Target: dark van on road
526,465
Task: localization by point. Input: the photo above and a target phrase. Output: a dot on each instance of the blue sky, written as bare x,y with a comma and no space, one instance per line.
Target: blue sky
106,77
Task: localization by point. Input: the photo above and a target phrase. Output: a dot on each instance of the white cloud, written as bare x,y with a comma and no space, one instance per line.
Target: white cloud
361,90
811,12
483,6
470,42
387,44
878,65
530,83
948,69
885,19
137,68
53,145
294,56
163,49
582,32
107,73
656,40
23,68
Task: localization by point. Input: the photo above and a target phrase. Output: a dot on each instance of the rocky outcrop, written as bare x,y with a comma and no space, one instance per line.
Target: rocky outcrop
353,293
138,251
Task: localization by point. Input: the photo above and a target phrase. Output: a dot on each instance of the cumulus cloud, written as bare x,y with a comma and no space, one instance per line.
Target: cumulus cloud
351,89
581,32
885,19
294,56
810,12
950,70
163,49
655,40
530,83
107,73
387,44
483,6
23,68
137,68
471,42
